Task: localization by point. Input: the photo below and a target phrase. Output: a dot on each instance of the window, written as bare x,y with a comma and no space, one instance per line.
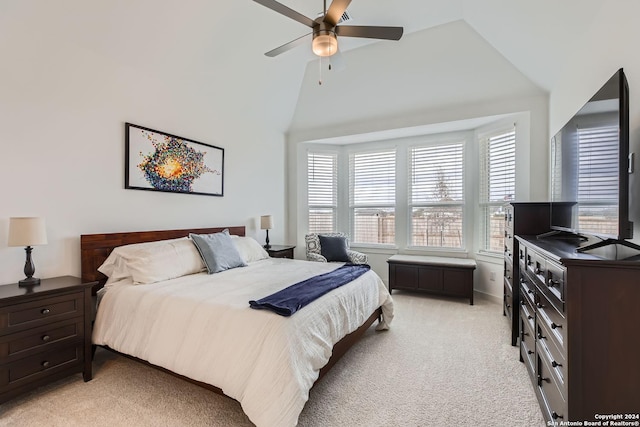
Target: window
436,195
322,186
497,185
372,196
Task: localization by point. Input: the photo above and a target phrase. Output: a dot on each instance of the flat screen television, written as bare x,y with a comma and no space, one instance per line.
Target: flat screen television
590,167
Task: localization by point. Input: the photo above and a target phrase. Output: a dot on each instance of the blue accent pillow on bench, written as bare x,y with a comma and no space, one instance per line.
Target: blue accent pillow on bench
334,248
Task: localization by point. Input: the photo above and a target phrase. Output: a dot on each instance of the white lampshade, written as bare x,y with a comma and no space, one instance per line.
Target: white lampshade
27,231
266,222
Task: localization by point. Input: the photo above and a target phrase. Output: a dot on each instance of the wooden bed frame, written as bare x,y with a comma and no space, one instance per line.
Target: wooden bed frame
95,248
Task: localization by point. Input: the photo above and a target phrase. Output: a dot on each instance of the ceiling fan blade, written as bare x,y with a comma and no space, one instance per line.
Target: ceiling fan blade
284,10
387,33
288,46
335,11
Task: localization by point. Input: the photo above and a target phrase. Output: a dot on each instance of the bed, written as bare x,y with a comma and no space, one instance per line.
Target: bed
200,327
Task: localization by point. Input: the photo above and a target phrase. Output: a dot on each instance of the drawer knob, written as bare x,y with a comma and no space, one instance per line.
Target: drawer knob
529,291
46,338
529,317
540,379
553,283
45,311
538,271
555,364
555,325
540,336
45,364
539,305
529,351
555,415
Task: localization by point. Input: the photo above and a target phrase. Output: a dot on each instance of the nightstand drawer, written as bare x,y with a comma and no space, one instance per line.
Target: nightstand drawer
40,365
26,343
40,312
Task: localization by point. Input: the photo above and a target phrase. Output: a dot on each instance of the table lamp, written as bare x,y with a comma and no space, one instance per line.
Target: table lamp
266,223
28,232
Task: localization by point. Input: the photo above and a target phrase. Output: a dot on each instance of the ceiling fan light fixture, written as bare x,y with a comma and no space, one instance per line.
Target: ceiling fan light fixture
325,43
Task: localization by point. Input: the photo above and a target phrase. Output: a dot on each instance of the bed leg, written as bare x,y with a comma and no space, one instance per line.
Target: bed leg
93,350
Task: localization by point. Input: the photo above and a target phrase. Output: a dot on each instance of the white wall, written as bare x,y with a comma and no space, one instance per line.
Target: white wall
64,98
608,44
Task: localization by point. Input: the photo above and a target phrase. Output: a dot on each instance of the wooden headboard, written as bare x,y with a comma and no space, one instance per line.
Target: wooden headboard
95,248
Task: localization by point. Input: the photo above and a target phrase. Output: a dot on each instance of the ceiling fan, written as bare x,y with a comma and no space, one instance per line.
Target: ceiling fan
326,29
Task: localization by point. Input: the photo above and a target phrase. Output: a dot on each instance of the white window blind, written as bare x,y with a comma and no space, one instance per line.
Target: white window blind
436,174
497,185
322,188
372,196
436,195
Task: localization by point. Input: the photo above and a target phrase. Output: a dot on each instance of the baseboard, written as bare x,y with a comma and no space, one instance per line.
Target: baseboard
487,297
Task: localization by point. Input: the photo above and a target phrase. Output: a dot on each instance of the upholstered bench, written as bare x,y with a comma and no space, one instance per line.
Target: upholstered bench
438,275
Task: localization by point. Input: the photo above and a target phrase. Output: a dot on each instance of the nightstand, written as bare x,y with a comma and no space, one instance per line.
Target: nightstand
45,333
280,251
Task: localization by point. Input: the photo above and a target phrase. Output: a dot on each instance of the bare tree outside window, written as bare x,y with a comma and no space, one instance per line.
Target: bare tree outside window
437,196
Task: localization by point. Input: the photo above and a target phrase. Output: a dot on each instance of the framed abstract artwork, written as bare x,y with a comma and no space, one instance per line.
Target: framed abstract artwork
158,161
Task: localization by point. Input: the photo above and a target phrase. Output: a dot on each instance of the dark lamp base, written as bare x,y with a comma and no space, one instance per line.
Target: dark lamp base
29,281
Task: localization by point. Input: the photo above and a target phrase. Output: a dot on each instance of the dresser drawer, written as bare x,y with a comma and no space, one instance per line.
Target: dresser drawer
536,267
527,342
38,312
26,343
508,299
553,320
553,356
527,312
508,217
508,244
40,365
508,271
527,290
555,280
554,404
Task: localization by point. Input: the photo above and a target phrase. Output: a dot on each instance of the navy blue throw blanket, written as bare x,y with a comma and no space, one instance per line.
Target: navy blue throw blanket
293,298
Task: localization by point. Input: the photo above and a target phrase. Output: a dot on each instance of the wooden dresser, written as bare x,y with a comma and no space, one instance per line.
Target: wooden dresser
530,218
579,324
45,333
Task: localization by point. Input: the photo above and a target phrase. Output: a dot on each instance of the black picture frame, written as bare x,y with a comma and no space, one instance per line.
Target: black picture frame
160,161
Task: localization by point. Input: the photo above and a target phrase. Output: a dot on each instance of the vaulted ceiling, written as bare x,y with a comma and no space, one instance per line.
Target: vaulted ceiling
217,47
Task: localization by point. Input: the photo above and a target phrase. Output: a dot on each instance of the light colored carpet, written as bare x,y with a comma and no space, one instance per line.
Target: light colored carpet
442,363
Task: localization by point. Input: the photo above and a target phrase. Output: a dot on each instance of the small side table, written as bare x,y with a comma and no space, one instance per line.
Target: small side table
280,251
45,333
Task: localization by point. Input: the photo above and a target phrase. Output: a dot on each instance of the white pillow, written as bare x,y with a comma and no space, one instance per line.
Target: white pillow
163,262
250,250
180,255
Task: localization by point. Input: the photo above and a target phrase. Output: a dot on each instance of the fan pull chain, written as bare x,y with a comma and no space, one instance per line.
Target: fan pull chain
320,72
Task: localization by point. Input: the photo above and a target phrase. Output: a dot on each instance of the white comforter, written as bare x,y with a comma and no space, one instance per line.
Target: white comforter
201,326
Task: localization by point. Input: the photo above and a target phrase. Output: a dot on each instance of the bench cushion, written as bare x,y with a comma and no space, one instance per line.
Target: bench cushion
433,260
